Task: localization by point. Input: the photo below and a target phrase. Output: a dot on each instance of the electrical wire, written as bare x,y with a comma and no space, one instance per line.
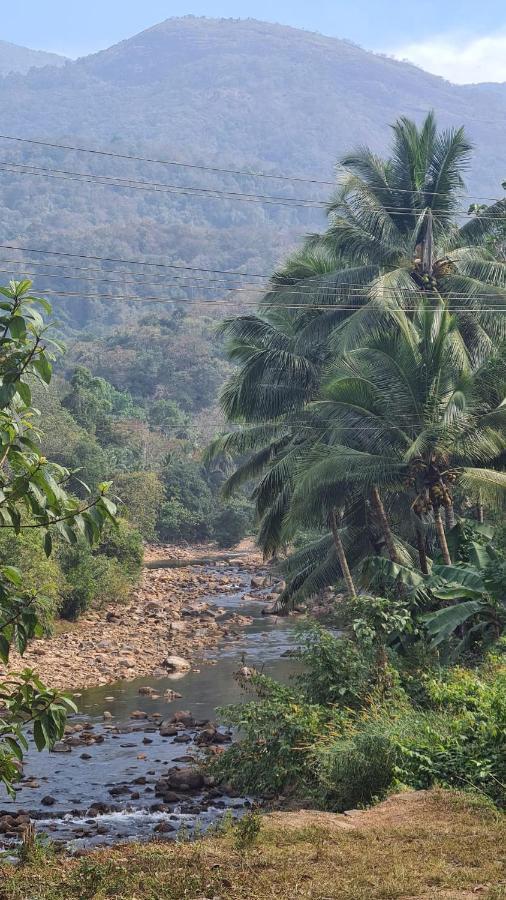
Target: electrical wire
214,193
206,168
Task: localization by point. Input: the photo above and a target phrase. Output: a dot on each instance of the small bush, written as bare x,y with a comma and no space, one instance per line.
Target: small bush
336,670
231,523
247,831
103,575
356,771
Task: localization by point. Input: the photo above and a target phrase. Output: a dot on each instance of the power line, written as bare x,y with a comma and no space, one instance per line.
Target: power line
304,306
292,289
358,290
165,162
206,168
131,262
212,193
362,295
159,187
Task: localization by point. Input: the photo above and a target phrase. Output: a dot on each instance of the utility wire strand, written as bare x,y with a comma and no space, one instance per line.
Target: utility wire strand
224,171
329,307
212,301
166,162
214,193
157,187
297,289
334,302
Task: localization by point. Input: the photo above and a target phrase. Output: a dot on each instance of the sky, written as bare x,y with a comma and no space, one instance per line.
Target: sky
462,40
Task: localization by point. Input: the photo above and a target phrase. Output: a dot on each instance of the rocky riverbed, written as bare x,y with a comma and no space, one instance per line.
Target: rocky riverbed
169,620
128,765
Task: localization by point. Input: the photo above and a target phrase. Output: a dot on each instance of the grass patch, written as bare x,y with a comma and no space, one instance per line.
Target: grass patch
430,845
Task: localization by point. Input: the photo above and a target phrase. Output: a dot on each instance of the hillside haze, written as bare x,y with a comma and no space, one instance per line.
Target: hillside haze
20,59
229,93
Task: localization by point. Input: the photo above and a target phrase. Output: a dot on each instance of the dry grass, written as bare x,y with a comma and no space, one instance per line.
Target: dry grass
427,846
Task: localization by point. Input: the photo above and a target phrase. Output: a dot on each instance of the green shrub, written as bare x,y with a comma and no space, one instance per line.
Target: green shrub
277,733
41,575
355,771
336,670
462,742
231,523
104,575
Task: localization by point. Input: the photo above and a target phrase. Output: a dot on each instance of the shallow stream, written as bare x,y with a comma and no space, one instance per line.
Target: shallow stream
133,750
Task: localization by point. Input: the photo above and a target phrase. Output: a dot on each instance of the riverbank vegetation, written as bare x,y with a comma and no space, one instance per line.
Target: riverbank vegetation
369,419
421,846
35,506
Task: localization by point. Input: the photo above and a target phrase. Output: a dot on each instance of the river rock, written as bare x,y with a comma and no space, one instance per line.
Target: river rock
163,828
167,729
176,664
177,778
138,714
48,801
258,581
60,747
183,717
172,695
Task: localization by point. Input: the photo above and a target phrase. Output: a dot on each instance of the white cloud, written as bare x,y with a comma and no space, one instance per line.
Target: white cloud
462,61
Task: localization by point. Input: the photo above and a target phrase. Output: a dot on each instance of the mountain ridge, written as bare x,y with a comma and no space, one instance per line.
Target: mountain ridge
237,94
14,58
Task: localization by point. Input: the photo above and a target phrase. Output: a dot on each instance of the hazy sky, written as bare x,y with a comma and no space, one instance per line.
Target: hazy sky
463,40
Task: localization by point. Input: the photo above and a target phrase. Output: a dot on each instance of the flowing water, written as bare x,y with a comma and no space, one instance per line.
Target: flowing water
134,750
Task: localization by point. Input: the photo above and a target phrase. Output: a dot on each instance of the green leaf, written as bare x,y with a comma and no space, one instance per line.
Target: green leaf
454,575
40,738
17,327
25,393
7,392
4,649
48,543
14,747
441,624
12,574
43,367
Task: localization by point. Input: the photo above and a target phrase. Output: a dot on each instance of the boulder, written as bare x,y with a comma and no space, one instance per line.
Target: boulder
172,695
191,778
163,828
176,664
183,717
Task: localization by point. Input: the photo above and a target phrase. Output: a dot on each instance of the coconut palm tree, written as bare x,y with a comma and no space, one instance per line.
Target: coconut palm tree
408,413
393,248
394,227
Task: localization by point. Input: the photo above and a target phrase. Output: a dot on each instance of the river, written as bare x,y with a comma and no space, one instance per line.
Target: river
131,754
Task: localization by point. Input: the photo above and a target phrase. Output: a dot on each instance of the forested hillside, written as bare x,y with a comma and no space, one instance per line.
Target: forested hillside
130,250
234,94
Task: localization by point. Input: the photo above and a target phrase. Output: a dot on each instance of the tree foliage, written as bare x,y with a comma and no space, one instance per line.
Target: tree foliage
32,497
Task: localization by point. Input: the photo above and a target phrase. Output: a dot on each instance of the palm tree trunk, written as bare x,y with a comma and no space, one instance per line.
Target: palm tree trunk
449,515
479,511
379,509
341,555
442,536
422,553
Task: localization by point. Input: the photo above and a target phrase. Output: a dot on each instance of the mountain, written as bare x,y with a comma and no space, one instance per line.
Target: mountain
20,59
237,94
